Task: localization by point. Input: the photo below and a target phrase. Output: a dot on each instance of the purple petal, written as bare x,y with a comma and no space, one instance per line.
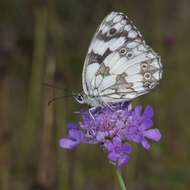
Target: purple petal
145,144
137,137
112,156
71,125
76,112
68,143
76,134
126,148
123,159
100,136
116,141
113,132
120,124
109,146
122,134
148,112
138,110
147,123
82,125
133,129
89,141
153,134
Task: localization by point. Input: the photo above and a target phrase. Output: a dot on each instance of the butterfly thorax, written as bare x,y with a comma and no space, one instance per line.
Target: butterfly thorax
93,101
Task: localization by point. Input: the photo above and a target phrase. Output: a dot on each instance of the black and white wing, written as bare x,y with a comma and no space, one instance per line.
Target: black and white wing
119,65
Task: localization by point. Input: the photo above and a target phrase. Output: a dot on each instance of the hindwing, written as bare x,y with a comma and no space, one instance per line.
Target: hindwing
119,65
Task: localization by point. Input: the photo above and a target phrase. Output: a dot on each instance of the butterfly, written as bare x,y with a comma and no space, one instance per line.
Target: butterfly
119,65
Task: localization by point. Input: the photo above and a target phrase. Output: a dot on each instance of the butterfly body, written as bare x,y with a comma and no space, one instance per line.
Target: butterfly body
119,65
93,101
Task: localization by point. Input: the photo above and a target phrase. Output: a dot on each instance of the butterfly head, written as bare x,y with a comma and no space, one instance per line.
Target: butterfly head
80,97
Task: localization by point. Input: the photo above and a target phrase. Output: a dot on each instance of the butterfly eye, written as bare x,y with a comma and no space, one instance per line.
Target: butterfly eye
80,98
123,51
112,31
147,76
144,66
129,54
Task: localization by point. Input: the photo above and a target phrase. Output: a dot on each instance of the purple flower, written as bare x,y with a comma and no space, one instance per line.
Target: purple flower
117,151
114,128
74,138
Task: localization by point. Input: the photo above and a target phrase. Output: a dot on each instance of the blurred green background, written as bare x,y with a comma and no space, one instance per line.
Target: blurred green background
46,41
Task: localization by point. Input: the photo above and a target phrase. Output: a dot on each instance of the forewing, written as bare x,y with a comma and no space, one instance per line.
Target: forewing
119,65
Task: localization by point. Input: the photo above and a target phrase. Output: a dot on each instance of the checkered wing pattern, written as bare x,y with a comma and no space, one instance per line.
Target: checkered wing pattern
119,64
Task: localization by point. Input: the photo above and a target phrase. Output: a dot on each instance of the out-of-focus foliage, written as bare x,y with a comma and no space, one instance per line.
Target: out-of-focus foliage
46,41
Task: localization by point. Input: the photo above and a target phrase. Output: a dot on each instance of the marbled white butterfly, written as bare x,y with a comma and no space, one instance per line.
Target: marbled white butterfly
119,65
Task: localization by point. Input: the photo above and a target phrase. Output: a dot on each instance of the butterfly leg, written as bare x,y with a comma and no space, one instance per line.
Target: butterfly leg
109,106
91,113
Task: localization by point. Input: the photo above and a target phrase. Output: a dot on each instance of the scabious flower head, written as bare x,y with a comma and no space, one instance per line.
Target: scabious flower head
114,128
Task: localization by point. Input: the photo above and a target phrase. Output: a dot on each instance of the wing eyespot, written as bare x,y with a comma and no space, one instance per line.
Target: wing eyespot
147,76
129,54
144,66
112,31
123,51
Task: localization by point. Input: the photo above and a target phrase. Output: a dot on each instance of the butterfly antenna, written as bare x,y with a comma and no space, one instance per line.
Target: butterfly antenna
52,86
59,97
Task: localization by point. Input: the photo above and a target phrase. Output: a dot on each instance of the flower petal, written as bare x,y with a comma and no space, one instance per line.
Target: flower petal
148,112
109,146
137,137
76,134
138,110
116,141
68,143
153,134
71,125
112,156
146,124
126,147
145,144
123,159
100,136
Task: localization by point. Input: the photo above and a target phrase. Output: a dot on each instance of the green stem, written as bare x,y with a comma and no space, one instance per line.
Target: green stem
121,182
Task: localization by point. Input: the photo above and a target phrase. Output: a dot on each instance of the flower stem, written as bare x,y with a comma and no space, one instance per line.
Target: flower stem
121,182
